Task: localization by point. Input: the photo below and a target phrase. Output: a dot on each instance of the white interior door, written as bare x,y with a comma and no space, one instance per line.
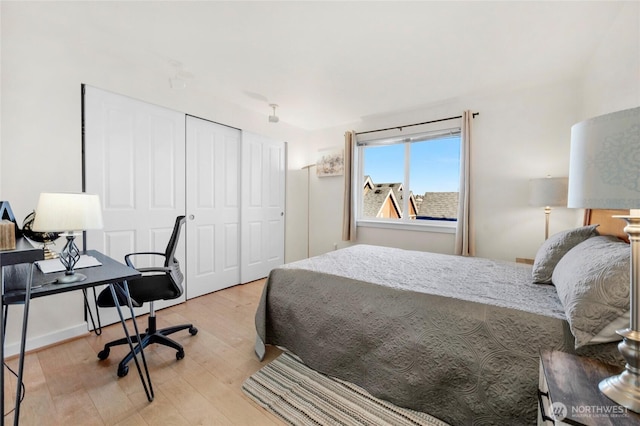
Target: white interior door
134,157
263,205
213,198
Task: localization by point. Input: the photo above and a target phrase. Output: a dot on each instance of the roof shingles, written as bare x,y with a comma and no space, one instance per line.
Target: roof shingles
439,205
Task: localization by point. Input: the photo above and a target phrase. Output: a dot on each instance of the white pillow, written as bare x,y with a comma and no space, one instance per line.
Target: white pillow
592,281
608,333
556,246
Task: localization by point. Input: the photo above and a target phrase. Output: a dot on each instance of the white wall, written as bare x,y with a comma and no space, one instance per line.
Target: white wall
40,141
519,135
612,76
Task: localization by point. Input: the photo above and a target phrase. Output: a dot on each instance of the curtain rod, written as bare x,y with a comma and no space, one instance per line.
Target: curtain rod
415,124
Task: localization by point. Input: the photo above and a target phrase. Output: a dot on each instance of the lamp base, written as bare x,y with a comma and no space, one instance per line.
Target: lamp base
619,390
624,389
547,213
73,278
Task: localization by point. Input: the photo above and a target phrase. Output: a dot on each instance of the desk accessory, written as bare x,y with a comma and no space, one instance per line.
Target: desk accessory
7,235
48,266
69,214
44,238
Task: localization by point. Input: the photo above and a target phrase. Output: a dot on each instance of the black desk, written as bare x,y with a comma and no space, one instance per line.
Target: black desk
23,253
16,291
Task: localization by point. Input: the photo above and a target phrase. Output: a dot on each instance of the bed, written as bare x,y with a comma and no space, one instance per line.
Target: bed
456,337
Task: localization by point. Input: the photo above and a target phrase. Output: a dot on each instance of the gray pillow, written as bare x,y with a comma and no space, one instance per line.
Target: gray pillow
592,281
556,246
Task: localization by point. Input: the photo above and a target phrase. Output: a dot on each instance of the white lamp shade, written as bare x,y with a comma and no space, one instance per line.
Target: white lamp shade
604,169
551,192
67,212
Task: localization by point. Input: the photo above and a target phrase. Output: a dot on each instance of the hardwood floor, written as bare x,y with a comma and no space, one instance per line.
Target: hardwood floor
67,385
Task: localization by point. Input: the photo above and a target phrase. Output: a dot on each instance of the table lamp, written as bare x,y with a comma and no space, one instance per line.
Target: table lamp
548,192
604,173
69,214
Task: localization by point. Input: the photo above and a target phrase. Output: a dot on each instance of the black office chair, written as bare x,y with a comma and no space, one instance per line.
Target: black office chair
157,283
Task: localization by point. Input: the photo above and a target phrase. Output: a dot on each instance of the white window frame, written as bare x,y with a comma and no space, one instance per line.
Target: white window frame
404,223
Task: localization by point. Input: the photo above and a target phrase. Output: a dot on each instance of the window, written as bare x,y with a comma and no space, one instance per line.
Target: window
411,179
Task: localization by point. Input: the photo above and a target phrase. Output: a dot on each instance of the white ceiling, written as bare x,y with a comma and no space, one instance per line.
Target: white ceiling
331,63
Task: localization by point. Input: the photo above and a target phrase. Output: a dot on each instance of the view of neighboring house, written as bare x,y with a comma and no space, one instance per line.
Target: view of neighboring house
438,206
385,200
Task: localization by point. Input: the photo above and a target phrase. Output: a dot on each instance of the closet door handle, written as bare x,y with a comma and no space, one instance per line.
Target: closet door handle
191,217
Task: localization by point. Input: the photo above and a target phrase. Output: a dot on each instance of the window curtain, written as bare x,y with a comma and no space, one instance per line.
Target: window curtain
465,244
348,215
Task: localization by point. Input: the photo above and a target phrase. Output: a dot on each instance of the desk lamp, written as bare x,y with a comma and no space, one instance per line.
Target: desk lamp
548,192
69,214
604,173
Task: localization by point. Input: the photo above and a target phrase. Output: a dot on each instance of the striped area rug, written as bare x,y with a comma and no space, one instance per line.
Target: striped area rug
299,395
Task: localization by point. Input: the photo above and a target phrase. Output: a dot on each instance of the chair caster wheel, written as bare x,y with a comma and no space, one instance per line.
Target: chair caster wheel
179,354
103,354
193,331
123,371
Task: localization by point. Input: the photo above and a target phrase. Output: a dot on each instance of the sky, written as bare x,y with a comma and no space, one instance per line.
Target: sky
434,165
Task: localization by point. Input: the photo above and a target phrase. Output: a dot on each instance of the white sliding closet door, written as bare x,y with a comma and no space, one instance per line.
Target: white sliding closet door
134,156
263,203
213,206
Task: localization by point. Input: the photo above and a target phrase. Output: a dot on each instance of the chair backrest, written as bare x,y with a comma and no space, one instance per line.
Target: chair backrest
170,261
170,251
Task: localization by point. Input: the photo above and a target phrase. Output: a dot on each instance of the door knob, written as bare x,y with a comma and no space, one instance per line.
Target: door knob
191,217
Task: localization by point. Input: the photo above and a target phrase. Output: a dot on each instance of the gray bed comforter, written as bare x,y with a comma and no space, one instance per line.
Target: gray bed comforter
456,337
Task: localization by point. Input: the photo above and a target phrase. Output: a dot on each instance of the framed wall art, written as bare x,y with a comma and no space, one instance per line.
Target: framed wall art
330,162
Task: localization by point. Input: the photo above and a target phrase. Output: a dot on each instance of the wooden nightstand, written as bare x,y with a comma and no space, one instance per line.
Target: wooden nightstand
568,387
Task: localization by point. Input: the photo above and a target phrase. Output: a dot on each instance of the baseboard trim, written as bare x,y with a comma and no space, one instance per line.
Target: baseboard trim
40,342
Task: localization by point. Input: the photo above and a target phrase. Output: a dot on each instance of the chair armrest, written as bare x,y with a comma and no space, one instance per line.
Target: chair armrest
128,261
162,269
